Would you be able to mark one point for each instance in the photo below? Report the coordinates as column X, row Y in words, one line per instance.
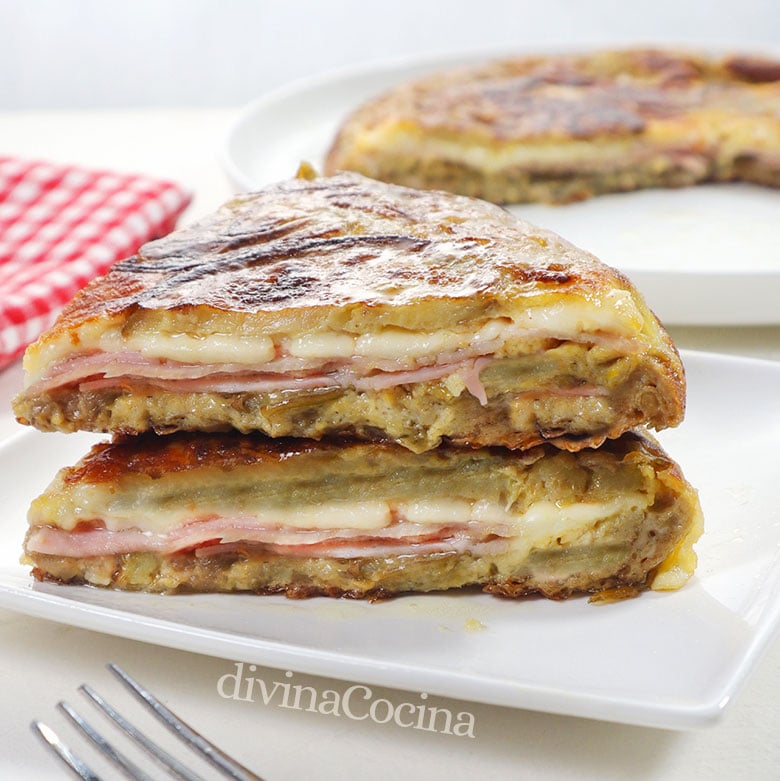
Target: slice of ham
column 239, row 383
column 468, row 370
column 128, row 374
column 222, row 535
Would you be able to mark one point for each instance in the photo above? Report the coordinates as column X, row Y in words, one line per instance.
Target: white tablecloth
column 42, row 662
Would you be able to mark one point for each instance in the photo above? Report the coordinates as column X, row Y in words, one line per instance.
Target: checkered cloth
column 60, row 226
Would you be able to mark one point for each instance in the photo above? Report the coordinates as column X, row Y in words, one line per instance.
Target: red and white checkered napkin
column 60, row 226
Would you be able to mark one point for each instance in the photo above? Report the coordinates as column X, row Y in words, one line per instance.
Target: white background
column 105, row 53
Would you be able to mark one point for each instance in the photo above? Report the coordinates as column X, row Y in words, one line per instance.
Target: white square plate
column 670, row 660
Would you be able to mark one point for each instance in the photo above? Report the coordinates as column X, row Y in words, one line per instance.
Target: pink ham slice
column 91, row 373
column 223, row 535
column 180, row 379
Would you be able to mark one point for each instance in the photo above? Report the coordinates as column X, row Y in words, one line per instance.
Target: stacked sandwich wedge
column 342, row 387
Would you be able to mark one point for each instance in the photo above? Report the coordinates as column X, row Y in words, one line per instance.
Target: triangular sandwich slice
column 342, row 306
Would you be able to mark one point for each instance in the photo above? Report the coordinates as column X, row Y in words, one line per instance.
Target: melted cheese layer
column 616, row 315
column 495, row 157
column 134, row 510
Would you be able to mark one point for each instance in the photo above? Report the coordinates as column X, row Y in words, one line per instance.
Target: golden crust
column 648, row 117
column 108, row 462
column 343, row 252
column 162, row 458
column 370, row 578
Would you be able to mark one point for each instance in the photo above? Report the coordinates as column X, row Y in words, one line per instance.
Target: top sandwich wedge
column 335, row 306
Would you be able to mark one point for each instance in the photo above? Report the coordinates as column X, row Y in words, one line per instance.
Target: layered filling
column 696, row 144
column 339, row 530
column 210, row 494
column 387, row 150
column 211, row 362
column 225, row 512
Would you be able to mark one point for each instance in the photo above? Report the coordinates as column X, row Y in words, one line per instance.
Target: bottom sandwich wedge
column 227, row 512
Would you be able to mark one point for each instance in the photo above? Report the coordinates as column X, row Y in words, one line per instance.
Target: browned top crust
column 351, row 253
column 156, row 457
column 149, row 454
column 572, row 96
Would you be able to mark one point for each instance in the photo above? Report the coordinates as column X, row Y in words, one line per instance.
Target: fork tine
column 53, row 742
column 130, row 769
column 219, row 759
column 170, row 762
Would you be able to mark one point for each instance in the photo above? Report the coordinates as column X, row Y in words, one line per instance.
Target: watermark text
column 356, row 702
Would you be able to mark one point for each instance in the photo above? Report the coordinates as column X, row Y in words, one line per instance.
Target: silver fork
column 227, row 766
